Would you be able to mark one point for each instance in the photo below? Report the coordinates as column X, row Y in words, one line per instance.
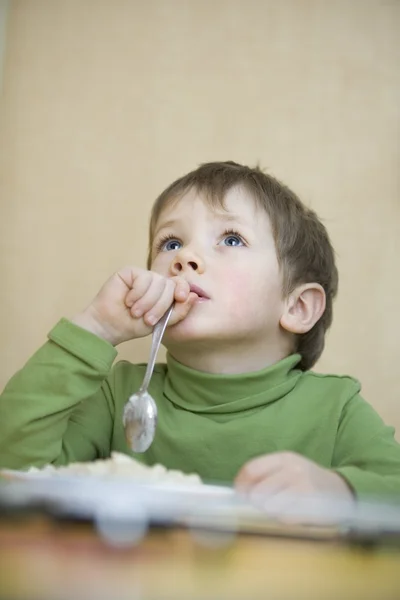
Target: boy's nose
column 186, row 261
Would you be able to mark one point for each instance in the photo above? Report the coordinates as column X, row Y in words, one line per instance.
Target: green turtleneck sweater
column 66, row 405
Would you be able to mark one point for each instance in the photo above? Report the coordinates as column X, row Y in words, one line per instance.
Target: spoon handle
column 158, row 332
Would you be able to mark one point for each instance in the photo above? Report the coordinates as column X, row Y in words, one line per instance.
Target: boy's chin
column 179, row 337
column 182, row 332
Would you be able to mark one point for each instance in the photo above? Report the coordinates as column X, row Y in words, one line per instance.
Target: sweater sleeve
column 366, row 453
column 59, row 407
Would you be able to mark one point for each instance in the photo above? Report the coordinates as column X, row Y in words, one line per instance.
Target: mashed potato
column 121, row 466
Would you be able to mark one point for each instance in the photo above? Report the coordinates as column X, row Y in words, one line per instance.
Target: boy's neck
column 227, row 360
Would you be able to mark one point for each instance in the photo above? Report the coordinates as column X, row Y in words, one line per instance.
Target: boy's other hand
column 274, row 482
column 132, row 301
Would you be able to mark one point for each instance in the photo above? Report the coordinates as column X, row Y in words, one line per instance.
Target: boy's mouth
column 201, row 293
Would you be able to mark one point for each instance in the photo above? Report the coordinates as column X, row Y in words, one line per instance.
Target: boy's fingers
column 280, row 505
column 151, row 297
column 179, row 288
column 258, row 469
column 264, row 492
column 129, row 275
column 141, row 284
column 159, row 308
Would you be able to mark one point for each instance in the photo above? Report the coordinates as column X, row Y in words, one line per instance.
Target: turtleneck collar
column 200, row 392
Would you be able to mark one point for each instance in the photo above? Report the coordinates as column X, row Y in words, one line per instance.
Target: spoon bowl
column 140, row 421
column 140, row 412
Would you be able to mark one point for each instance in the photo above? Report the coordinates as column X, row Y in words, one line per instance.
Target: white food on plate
column 120, row 465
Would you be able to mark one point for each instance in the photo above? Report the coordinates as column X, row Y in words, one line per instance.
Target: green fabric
column 66, row 405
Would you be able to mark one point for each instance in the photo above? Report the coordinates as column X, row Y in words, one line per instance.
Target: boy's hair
column 303, row 248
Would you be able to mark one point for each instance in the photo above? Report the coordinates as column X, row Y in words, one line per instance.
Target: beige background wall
column 3, row 28
column 104, row 103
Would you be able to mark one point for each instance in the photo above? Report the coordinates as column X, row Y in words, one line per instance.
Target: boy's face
column 230, row 256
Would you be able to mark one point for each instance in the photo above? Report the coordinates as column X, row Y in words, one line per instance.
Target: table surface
column 52, row 561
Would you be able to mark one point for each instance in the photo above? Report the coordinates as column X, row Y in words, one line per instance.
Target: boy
column 253, row 276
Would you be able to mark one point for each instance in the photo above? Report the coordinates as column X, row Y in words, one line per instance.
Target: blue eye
column 232, row 239
column 168, row 244
column 172, row 245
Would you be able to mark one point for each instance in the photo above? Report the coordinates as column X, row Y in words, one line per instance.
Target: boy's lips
column 197, row 290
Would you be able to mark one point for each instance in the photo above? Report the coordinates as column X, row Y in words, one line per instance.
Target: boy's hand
column 272, row 480
column 132, row 301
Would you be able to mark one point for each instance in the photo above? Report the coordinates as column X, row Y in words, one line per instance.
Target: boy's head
column 303, row 249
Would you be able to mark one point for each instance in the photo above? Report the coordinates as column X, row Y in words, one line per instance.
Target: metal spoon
column 140, row 412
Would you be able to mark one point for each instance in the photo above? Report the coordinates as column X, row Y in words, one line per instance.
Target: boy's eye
column 172, row 245
column 231, row 238
column 167, row 244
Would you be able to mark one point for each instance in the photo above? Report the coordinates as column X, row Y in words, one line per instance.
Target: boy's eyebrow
column 225, row 216
column 165, row 225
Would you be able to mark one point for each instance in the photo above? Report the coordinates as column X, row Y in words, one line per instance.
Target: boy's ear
column 304, row 307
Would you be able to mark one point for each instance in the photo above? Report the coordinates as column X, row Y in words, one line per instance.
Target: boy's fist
column 132, row 301
column 276, row 482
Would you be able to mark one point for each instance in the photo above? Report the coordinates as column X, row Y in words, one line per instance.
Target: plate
column 85, row 495
column 118, row 504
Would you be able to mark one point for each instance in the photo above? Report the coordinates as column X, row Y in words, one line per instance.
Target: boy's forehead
column 237, row 205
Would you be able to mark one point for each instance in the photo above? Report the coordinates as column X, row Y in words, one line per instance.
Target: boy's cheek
column 161, row 266
column 239, row 294
column 244, row 295
column 241, row 286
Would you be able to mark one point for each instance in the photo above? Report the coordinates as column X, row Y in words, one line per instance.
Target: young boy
column 252, row 273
